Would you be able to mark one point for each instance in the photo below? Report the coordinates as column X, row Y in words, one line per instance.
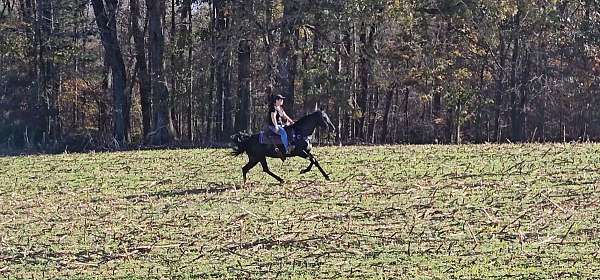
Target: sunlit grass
column 481, row 211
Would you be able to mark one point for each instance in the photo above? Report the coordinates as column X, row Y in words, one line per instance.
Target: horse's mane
column 303, row 126
column 305, row 118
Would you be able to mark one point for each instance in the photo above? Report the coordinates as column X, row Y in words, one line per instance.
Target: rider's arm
column 274, row 120
column 289, row 120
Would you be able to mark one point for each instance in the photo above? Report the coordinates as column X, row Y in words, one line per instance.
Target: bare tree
column 106, row 21
column 163, row 131
column 141, row 67
column 243, row 119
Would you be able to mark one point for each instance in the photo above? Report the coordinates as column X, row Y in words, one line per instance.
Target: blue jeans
column 283, row 135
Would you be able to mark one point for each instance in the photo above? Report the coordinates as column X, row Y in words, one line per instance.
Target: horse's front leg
column 314, row 161
column 305, row 155
column 307, row 168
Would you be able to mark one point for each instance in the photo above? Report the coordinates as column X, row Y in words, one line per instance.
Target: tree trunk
column 374, row 105
column 163, row 131
column 268, row 39
column 142, row 68
column 386, row 114
column 47, row 85
column 498, row 100
column 524, row 95
column 187, row 13
column 479, row 111
column 243, row 120
column 174, row 69
column 287, row 55
column 364, row 70
column 223, row 95
column 106, row 21
column 103, row 119
column 32, row 33
column 515, row 84
column 406, row 120
column 437, row 112
column 181, row 69
column 458, row 123
column 228, row 113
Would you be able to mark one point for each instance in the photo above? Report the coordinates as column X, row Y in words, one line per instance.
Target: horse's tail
column 240, row 143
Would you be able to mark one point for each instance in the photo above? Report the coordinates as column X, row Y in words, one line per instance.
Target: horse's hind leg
column 251, row 163
column 265, row 167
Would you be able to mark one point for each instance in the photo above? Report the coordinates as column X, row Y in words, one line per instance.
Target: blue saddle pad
column 267, row 136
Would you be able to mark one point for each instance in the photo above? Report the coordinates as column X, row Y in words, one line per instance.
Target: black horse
column 299, row 133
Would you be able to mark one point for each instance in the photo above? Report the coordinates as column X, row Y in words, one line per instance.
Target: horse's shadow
column 211, row 189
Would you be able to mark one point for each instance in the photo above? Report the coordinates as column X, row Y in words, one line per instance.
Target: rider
column 275, row 117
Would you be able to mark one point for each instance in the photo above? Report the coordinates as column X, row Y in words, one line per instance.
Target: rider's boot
column 279, row 153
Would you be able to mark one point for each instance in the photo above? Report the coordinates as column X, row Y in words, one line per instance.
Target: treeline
column 115, row 74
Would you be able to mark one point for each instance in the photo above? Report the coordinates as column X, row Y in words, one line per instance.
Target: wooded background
column 82, row 75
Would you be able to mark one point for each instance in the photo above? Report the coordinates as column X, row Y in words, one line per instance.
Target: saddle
column 268, row 137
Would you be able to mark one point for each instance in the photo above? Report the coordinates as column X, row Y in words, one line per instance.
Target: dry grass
column 484, row 211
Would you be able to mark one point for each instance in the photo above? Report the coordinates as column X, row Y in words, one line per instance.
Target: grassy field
column 425, row 212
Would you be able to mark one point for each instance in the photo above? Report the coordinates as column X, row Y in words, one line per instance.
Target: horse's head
column 306, row 125
column 324, row 120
